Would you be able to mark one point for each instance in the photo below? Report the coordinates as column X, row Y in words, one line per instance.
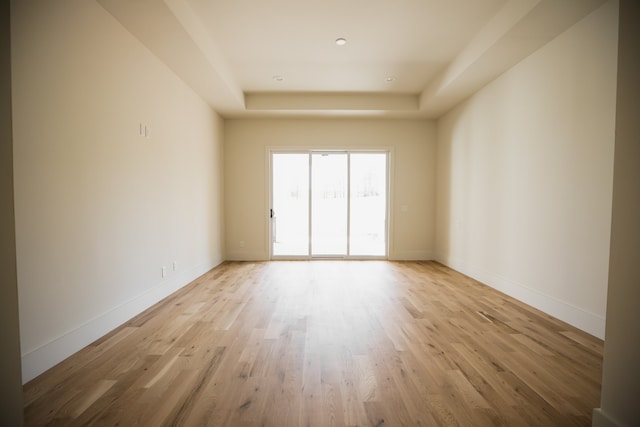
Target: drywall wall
column 100, row 208
column 10, row 378
column 621, row 373
column 525, row 170
column 412, row 145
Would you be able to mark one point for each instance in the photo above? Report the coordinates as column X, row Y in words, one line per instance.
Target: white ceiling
column 409, row 39
column 437, row 52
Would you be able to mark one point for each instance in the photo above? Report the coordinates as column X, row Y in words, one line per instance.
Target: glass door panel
column 368, row 204
column 329, row 178
column 329, row 204
column 290, row 201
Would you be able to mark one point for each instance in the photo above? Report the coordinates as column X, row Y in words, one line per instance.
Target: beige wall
column 525, row 176
column 246, row 177
column 99, row 208
column 10, row 379
column 621, row 371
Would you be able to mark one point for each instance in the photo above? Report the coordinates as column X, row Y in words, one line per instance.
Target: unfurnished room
column 320, row 213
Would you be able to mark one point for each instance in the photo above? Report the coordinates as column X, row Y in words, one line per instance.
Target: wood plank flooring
column 328, row 343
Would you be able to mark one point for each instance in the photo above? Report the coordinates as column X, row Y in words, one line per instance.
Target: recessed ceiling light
column 341, row 41
column 278, row 78
column 389, row 79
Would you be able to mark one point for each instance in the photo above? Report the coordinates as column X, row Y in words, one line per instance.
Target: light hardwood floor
column 321, row 343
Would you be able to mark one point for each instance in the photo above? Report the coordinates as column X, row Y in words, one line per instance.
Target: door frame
column 296, row 150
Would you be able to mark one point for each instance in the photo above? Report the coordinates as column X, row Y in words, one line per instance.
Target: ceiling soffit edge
column 172, row 31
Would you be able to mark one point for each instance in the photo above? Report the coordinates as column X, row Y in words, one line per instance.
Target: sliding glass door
column 290, row 204
column 329, row 175
column 329, row 204
column 368, row 202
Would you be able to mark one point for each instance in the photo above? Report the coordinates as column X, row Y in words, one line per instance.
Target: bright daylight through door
column 329, row 204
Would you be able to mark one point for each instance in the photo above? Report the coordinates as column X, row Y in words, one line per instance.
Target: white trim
column 39, row 360
column 411, row 256
column 247, row 256
column 600, row 419
column 591, row 323
column 349, row 203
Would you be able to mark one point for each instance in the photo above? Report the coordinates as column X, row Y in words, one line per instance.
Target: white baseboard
column 246, row 256
column 600, row 419
column 411, row 256
column 582, row 319
column 393, row 256
column 37, row 361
